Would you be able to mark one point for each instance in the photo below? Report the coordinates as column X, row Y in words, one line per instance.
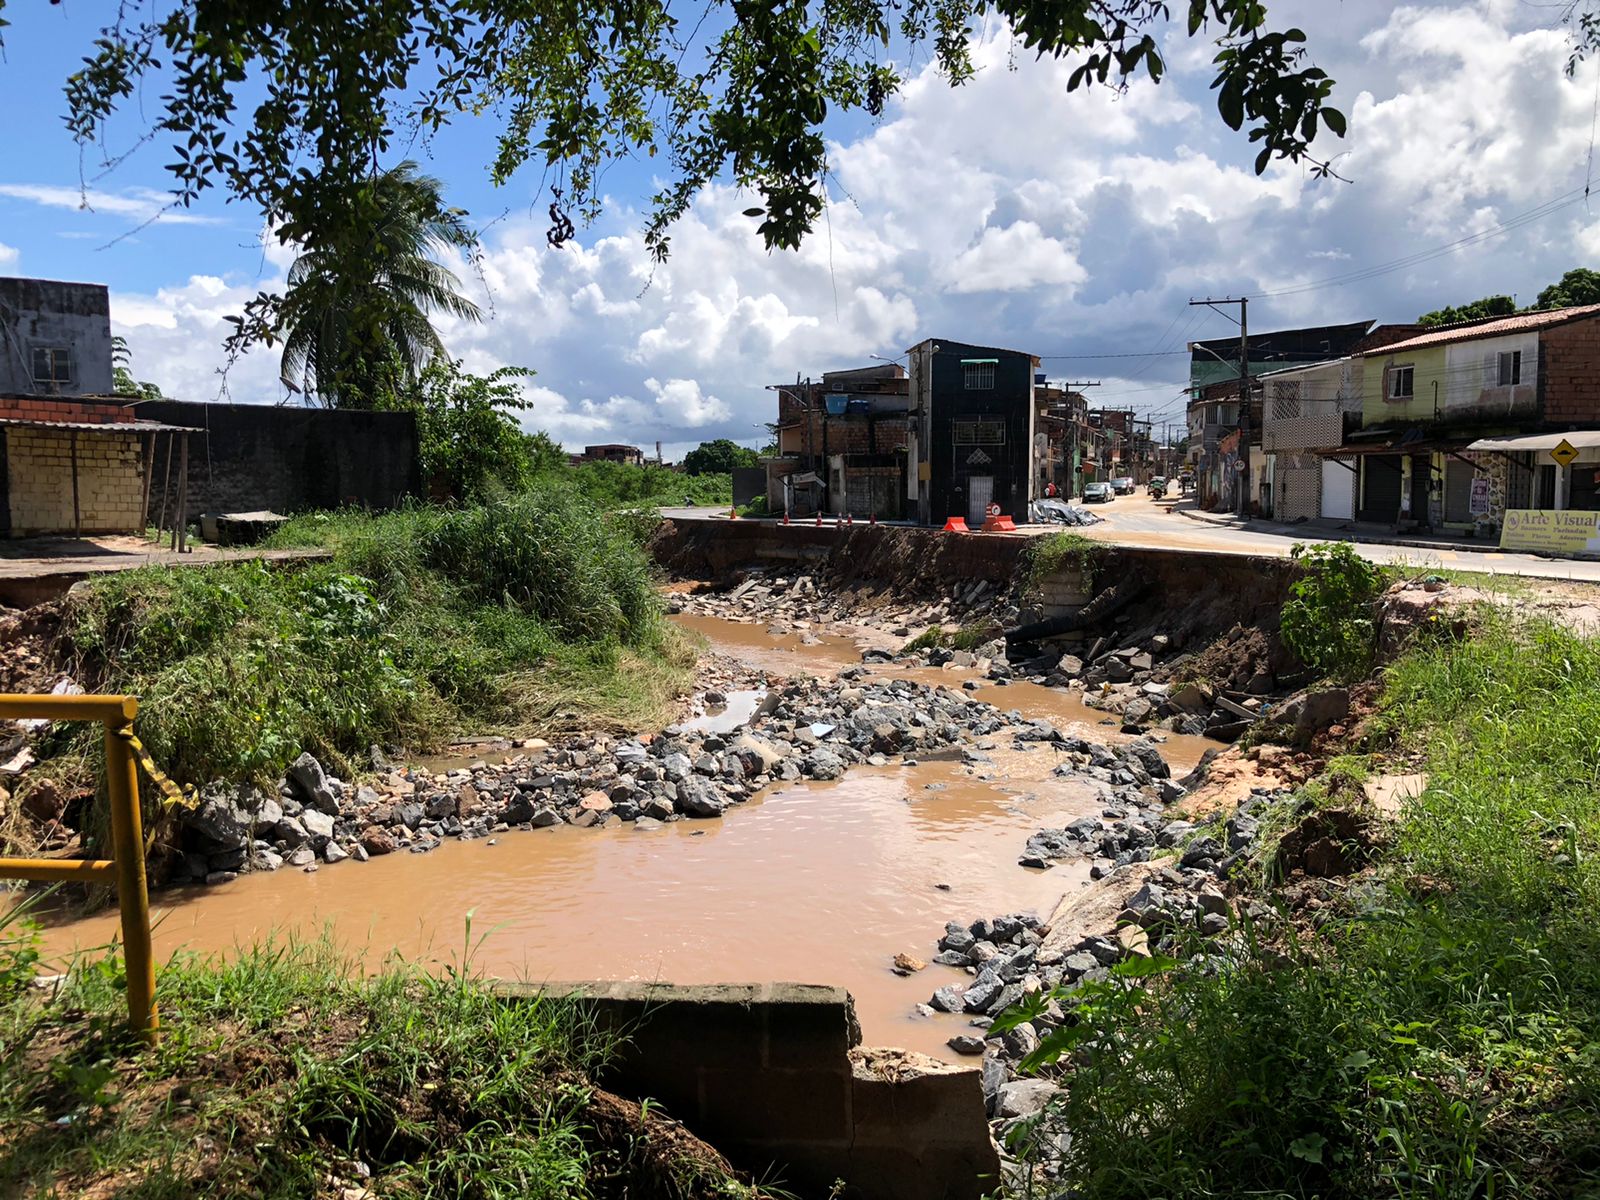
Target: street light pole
column 1244, row 392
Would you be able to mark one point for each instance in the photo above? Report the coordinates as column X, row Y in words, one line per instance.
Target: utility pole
column 1244, row 393
column 1073, row 482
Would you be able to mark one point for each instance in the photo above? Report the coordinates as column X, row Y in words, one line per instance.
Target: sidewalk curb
column 1337, row 535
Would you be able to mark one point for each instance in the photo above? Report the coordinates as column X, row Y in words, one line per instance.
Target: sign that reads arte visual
column 1551, row 532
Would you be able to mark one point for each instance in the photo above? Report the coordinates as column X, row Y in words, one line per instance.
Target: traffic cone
column 733, row 512
column 873, row 519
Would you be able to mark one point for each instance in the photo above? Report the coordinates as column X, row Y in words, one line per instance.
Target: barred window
column 979, row 376
column 979, row 433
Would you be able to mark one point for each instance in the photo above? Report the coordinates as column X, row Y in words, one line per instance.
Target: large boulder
column 310, row 784
column 1144, row 752
column 700, row 797
column 225, row 818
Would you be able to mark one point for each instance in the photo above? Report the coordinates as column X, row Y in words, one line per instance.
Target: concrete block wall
column 39, row 480
column 1064, row 592
column 771, row 1075
column 248, row 457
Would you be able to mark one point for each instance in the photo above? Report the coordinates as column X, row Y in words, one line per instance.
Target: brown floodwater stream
column 810, row 882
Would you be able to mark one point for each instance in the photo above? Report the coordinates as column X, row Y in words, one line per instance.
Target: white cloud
column 140, row 204
column 1009, row 212
column 681, row 402
column 9, row 256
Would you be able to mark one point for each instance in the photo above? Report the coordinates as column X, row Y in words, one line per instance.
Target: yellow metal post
column 116, row 713
column 133, row 897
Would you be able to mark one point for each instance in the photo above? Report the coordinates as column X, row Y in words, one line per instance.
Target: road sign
column 1564, row 453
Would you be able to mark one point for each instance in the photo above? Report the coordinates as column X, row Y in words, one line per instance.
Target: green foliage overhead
column 1477, row 310
column 719, row 457
column 290, row 107
column 1328, row 618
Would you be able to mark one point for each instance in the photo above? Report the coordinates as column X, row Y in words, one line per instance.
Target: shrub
column 1328, row 618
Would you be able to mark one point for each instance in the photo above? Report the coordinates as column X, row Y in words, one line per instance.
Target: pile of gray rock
column 1175, row 908
column 808, row 729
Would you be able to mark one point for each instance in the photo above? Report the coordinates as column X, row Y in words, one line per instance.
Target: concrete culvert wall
column 772, row 1075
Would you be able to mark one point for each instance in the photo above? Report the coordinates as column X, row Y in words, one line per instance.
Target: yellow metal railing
column 126, row 866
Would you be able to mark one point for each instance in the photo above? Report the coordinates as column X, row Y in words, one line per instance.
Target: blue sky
column 1006, row 212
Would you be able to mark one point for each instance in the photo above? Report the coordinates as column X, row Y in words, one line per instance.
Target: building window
column 979, row 375
column 52, row 365
column 1510, row 367
column 1402, row 383
column 978, row 433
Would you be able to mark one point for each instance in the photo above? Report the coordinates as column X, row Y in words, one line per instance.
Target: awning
column 1580, row 439
column 101, row 426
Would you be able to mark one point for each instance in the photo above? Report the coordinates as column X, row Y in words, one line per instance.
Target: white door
column 1338, row 490
column 980, row 490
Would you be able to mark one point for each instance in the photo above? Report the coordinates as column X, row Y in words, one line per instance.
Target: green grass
column 279, row 1070
column 606, row 486
column 1056, row 551
column 531, row 614
column 1440, row 1036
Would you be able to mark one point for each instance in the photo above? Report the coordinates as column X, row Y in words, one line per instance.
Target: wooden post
column 166, row 483
column 181, row 533
column 77, row 516
column 149, row 472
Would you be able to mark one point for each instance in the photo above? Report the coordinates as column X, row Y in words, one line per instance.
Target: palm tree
column 355, row 318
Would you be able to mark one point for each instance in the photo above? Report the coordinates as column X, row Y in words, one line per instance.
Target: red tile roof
column 1526, row 322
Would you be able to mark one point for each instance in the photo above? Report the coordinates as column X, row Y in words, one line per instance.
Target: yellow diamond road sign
column 1564, row 453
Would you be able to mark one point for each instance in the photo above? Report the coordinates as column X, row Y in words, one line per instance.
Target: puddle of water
column 740, row 706
column 781, row 653
column 816, row 883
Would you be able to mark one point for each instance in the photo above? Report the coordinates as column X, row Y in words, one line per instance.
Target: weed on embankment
column 1437, row 1033
column 529, row 614
column 283, row 1073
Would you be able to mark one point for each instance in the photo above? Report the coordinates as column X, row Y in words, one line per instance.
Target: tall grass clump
column 520, row 615
column 280, row 1069
column 1440, row 1035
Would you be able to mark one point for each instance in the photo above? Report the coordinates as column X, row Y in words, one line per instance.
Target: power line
column 1548, row 208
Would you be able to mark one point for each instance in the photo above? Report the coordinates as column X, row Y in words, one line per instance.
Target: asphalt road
column 1139, row 521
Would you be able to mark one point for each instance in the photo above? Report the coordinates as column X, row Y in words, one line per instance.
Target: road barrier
column 126, row 866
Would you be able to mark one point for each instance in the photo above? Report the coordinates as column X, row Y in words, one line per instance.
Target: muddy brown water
column 812, row 882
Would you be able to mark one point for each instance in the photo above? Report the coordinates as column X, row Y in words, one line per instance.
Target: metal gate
column 980, row 490
column 1458, row 491
column 1380, row 493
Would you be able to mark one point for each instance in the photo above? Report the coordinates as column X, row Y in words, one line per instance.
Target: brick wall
column 1570, row 371
column 42, row 408
column 39, row 481
column 850, row 433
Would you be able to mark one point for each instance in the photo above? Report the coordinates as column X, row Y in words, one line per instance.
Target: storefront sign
column 1478, row 506
column 1550, row 532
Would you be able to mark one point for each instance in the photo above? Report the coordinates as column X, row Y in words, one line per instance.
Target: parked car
column 1123, row 485
column 1097, row 493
